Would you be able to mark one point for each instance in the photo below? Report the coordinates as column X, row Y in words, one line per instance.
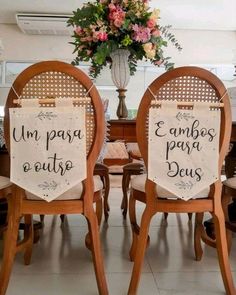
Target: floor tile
column 190, row 283
column 61, row 264
column 52, row 284
column 119, row 284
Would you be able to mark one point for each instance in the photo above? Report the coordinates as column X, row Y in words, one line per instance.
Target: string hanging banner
column 48, row 149
column 183, row 148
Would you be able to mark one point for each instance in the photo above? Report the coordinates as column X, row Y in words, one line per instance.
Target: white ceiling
column 181, row 14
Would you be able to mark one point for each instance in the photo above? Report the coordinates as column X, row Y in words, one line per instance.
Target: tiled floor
column 62, row 265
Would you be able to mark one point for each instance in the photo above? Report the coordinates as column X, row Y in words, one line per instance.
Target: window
column 13, row 69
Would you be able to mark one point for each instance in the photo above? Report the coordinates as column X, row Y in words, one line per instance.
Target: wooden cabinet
column 126, row 130
column 123, row 130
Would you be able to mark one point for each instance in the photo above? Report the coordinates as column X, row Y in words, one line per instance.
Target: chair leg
column 106, row 194
column 165, row 215
column 62, row 217
column 99, row 208
column 97, row 254
column 29, row 238
column 190, row 215
column 198, row 235
column 140, row 252
column 222, row 250
column 42, row 218
column 225, row 203
column 10, row 245
column 88, row 242
column 134, row 226
column 125, row 187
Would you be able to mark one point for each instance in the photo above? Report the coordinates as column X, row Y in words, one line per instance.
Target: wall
column 204, row 47
column 199, row 47
column 19, row 46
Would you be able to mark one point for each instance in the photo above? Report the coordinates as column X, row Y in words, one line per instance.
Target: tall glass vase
column 120, row 75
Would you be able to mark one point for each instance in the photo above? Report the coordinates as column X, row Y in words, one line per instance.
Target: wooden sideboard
column 126, row 130
column 123, row 130
column 4, row 163
column 119, row 130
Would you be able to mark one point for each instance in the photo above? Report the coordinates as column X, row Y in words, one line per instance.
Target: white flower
column 150, row 50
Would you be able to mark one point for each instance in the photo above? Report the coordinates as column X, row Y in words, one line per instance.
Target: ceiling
column 181, row 14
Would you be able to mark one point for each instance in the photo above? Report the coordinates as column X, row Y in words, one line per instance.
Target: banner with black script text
column 183, row 148
column 48, row 149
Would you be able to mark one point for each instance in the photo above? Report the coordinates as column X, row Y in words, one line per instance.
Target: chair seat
column 230, row 182
column 4, row 182
column 138, row 183
column 116, row 150
column 73, row 193
column 116, row 169
column 116, row 156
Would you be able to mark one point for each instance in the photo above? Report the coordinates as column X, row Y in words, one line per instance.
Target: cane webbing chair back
column 50, row 80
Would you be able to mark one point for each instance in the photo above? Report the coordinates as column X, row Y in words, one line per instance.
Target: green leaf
column 126, row 24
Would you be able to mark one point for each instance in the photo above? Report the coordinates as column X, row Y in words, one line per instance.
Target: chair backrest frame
column 88, row 88
column 156, row 87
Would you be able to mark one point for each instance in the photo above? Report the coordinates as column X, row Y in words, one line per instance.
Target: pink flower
column 118, row 22
column 156, row 33
column 141, row 34
column 116, row 15
column 151, row 23
column 99, row 36
column 102, row 36
column 95, row 37
column 86, row 39
column 112, row 7
column 78, row 30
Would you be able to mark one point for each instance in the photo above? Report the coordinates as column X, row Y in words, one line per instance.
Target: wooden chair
column 116, row 156
column 4, row 186
column 182, row 84
column 229, row 196
column 129, row 170
column 49, row 80
column 103, row 171
column 5, row 189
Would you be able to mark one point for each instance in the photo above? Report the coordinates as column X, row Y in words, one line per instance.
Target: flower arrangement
column 103, row 26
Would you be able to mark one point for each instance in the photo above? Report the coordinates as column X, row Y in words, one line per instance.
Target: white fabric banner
column 48, row 149
column 183, row 148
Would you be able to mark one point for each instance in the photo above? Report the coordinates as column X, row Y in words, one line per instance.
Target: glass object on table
column 120, row 74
